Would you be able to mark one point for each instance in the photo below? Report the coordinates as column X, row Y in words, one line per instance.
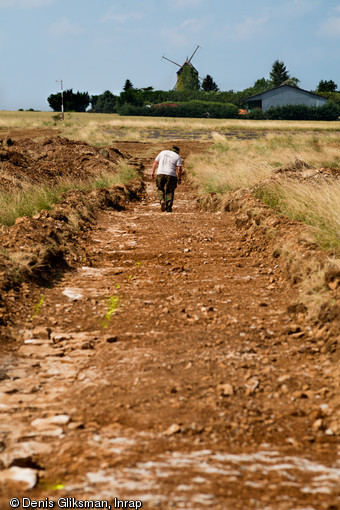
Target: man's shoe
column 162, row 206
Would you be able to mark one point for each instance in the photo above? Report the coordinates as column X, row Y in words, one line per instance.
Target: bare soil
column 27, row 161
column 163, row 366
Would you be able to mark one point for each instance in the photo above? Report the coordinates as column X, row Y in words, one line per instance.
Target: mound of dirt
column 28, row 161
column 302, row 171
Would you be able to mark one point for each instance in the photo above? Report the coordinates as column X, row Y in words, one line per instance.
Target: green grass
column 34, row 198
column 38, row 306
column 112, row 306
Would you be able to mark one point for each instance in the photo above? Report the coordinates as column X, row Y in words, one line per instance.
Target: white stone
column 26, row 478
column 42, row 423
column 173, row 429
column 24, row 451
column 226, row 389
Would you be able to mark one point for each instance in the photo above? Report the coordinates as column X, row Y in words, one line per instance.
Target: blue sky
column 95, row 46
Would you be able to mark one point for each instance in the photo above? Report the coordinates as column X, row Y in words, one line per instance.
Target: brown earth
column 164, row 366
column 25, row 161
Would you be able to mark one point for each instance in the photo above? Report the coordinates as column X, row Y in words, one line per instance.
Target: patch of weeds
column 38, row 306
column 270, row 195
column 113, row 304
column 51, row 486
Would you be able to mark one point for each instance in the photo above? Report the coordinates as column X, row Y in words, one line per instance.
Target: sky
column 93, row 46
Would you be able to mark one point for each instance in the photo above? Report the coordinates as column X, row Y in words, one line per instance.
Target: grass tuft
column 31, row 199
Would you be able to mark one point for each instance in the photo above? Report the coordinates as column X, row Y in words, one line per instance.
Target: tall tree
column 279, row 73
column 327, row 86
column 208, row 84
column 127, row 85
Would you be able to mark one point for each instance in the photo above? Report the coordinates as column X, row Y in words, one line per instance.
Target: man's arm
column 154, row 168
column 179, row 174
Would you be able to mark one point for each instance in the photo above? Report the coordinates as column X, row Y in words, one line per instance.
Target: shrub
column 328, row 111
column 256, row 114
column 195, row 108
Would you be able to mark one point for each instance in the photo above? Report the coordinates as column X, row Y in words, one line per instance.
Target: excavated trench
column 167, row 370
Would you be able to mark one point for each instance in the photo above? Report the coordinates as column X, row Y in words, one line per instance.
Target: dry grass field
column 295, row 173
column 100, row 129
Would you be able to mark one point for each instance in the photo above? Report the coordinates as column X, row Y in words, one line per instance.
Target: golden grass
column 233, row 164
column 316, row 204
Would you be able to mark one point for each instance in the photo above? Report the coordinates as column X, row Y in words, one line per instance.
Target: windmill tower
column 187, row 75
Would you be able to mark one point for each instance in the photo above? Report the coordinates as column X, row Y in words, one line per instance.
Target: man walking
column 169, row 172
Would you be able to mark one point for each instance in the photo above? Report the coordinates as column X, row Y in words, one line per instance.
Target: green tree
column 147, row 89
column 73, row 101
column 279, row 73
column 127, row 85
column 208, row 84
column 132, row 97
column 293, row 82
column 327, row 86
column 261, row 85
column 104, row 103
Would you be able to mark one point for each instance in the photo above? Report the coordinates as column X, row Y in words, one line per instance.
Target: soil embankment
column 166, row 369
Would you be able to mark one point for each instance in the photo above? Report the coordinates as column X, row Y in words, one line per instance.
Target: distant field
column 100, row 129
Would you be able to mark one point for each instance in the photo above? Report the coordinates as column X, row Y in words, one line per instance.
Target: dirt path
column 170, row 373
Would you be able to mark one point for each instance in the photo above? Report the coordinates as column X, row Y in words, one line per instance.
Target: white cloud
column 65, row 27
column 187, row 23
column 122, row 17
column 28, row 4
column 249, row 27
column 330, row 29
column 181, row 36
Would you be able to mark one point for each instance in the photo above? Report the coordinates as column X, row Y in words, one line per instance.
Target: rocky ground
column 166, row 369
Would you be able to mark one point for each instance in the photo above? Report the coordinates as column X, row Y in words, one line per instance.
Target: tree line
column 189, row 102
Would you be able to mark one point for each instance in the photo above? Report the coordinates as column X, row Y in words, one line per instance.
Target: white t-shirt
column 168, row 161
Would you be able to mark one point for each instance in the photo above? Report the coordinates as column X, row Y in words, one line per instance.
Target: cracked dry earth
column 167, row 372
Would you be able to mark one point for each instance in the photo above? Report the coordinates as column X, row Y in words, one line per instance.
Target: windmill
column 187, row 75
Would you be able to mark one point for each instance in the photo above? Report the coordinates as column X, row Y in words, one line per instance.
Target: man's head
column 175, row 149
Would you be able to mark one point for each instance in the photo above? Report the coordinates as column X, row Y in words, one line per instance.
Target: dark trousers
column 166, row 185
